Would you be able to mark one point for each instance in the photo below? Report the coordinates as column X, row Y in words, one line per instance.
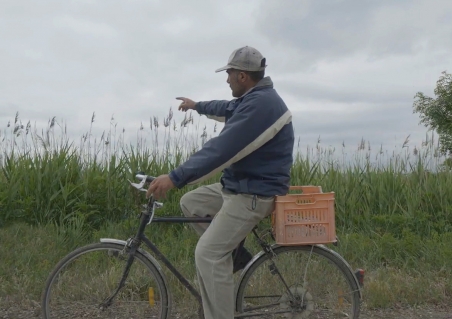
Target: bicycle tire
column 93, row 273
column 328, row 289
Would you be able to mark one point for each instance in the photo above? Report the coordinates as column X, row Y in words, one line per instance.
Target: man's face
column 236, row 81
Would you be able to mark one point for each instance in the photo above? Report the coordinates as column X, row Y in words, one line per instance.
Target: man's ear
column 242, row 77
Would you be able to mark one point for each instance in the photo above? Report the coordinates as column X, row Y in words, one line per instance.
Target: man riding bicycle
column 254, row 152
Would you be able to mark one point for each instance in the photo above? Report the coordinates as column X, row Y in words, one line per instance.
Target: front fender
column 151, row 258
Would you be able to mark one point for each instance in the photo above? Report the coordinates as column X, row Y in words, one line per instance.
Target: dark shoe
column 241, row 260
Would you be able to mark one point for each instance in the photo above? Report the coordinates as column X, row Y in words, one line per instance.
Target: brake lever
column 140, row 185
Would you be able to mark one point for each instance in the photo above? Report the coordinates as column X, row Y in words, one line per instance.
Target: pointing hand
column 186, row 104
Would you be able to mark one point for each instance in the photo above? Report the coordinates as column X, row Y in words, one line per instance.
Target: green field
column 393, row 211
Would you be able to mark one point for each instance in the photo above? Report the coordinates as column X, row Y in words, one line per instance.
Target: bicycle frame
column 135, row 242
column 162, row 257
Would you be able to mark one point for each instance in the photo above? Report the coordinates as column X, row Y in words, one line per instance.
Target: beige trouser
column 235, row 215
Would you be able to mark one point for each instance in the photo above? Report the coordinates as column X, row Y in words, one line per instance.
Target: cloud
column 85, row 27
column 319, row 30
column 346, row 69
column 350, row 68
column 349, row 126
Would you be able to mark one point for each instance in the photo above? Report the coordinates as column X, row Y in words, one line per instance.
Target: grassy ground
column 394, row 275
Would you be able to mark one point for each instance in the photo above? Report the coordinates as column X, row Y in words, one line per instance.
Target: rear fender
column 323, row 247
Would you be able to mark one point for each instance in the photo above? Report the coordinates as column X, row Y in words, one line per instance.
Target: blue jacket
column 254, row 149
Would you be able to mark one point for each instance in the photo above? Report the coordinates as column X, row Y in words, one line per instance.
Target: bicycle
column 118, row 279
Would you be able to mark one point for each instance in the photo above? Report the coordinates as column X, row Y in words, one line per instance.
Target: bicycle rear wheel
column 85, row 278
column 314, row 283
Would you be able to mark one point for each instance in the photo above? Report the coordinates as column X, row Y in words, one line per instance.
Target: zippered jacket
column 254, row 149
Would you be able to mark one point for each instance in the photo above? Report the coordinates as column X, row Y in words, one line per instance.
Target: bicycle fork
column 132, row 246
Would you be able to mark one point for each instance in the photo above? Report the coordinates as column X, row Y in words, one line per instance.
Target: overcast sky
column 346, row 69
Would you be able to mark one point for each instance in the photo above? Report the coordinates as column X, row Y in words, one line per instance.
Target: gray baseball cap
column 245, row 59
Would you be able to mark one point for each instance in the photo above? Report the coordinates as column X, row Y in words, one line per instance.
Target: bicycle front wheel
column 299, row 282
column 81, row 283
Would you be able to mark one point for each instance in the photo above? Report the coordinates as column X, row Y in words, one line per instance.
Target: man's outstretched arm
column 213, row 109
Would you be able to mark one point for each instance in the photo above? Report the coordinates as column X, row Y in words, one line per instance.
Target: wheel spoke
column 84, row 284
column 320, row 286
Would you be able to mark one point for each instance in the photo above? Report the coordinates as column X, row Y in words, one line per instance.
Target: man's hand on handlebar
column 160, row 186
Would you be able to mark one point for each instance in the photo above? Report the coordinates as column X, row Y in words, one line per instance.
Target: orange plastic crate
column 304, row 219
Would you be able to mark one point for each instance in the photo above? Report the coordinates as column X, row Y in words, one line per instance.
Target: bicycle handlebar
column 149, row 179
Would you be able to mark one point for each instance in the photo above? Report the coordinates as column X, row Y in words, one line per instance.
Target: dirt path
column 31, row 310
column 409, row 313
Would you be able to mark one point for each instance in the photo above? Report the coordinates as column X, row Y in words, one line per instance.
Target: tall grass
column 47, row 177
column 395, row 193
